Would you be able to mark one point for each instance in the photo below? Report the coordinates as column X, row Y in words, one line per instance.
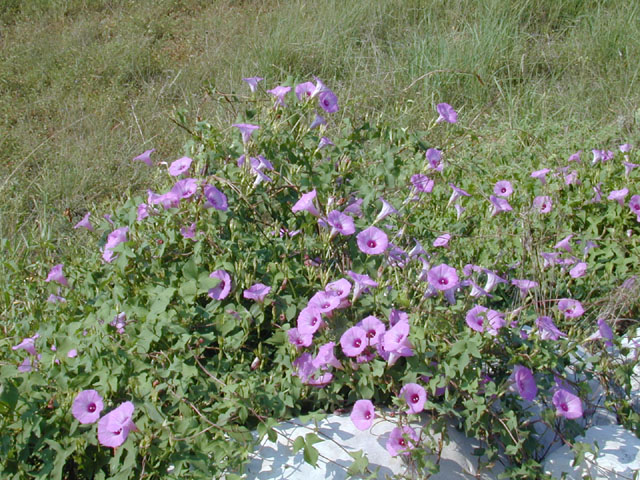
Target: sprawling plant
column 291, row 263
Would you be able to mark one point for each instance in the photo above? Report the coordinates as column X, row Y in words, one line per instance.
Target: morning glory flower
column 340, row 223
column 324, row 301
column 628, row 168
column 564, row 244
column 185, row 188
column 524, row 286
column 256, row 292
column 625, row 148
column 114, row 239
column 395, row 342
column 475, row 318
column 362, row 283
column 598, row 156
column 415, row 396
column 579, row 270
column 503, row 188
column 306, row 203
column 543, row 204
column 567, row 404
column 84, row 223
column 459, row 210
column 145, row 157
column 56, row 275
column 386, row 210
column 634, row 205
column 317, row 121
column 605, row 332
column 220, row 291
column 354, row 341
column 434, row 157
column 398, row 444
column 457, row 193
column 422, row 183
column 119, row 322
column 363, row 414
column 442, row 240
column 372, row 241
column 495, row 322
column 525, row 382
column 446, row 113
column 309, row 320
column 246, row 130
column 299, row 339
column 340, row 288
column 189, row 232
column 328, row 101
column 541, row 175
column 571, row 178
column 56, row 299
column 443, row 277
column 575, row 157
column 618, row 195
column 304, row 90
column 115, row 426
column 279, row 92
column 492, row 279
column 570, row 308
column 253, row 82
column 180, row 166
column 324, row 142
column 325, row 357
column 355, row 207
column 499, row 205
column 87, row 406
column 373, row 327
column 167, row 200
column 547, row 329
column 215, row 198
column 143, row 211
column 28, row 344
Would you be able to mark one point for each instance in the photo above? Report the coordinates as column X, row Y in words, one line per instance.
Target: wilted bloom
column 180, row 166
column 547, row 329
column 457, row 193
column 402, row 440
column 434, row 157
column 373, row 327
column 279, row 92
column 256, row 292
column 541, row 175
column 446, row 113
column 459, row 210
column 525, row 382
column 56, row 299
column 189, row 232
column 543, row 204
column 396, row 316
column 354, row 341
column 304, row 90
column 355, row 207
column 495, row 321
column 246, row 129
column 422, row 183
column 298, row 338
column 524, row 286
column 499, row 205
column 443, row 277
column 220, row 291
column 317, row 121
column 85, row 223
column 567, row 404
column 571, row 178
column 114, row 239
column 605, row 331
column 328, row 101
column 304, row 368
column 415, row 396
column 503, row 188
column 618, row 195
column 306, row 203
column 215, row 198
column 28, row 344
column 442, row 240
column 549, row 258
column 363, row 414
column 575, row 157
column 564, row 244
column 26, row 365
column 253, row 82
column 119, row 322
column 114, row 427
column 386, row 210
column 87, row 406
column 145, row 157
column 362, row 282
column 168, row 200
column 570, row 308
column 492, row 279
column 579, row 270
column 56, row 275
column 372, row 241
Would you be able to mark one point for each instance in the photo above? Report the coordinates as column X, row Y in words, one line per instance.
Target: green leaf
column 298, row 444
column 311, row 455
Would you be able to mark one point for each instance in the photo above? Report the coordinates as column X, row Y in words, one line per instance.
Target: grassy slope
column 85, row 85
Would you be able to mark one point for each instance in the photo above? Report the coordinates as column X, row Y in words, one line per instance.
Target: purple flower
column 324, row 142
column 317, row 121
column 256, row 292
column 456, row 194
column 547, row 329
column 304, row 90
column 340, row 288
column 492, row 279
column 28, row 344
column 114, row 239
column 495, row 322
column 524, row 286
column 564, row 244
column 145, row 157
column 85, row 223
column 328, row 101
column 326, row 357
column 618, row 195
column 543, row 204
column 56, row 299
column 73, row 353
column 340, row 223
column 309, row 320
column 299, row 339
column 571, row 178
column 570, row 308
column 26, row 365
column 372, row 241
column 215, row 198
column 503, row 188
column 87, row 406
column 185, row 188
column 119, row 322
column 374, row 329
column 402, row 440
column 575, row 157
column 628, row 168
column 279, row 92
column 443, row 277
column 56, row 275
column 354, row 341
column 363, row 414
column 220, row 291
column 143, row 211
column 386, row 210
column 442, row 240
column 324, row 301
column 475, row 318
column 541, row 175
column 499, row 205
column 253, row 82
column 395, row 343
column 415, row 396
column 355, row 207
column 422, row 183
column 168, row 200
column 246, row 129
column 579, row 270
column 446, row 113
column 396, row 316
column 634, row 205
column 114, row 427
column 567, row 404
column 434, row 157
column 525, row 382
column 362, row 283
column 180, row 166
column 624, row 148
column 306, row 203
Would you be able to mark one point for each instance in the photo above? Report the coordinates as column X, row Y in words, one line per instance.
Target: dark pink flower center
column 443, row 281
column 314, row 320
column 326, row 305
column 371, row 244
column 564, row 407
column 357, row 343
column 91, row 408
column 371, row 333
column 367, row 415
column 415, row 398
column 402, row 442
column 118, row 432
column 503, row 190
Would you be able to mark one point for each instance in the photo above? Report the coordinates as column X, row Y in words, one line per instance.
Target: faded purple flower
column 85, row 223
column 402, row 441
column 624, row 148
column 456, row 194
column 326, row 357
column 180, row 166
column 386, row 210
column 145, row 157
column 306, row 203
column 115, row 426
column 279, row 92
column 525, row 382
column 524, row 286
column 571, row 178
column 253, row 82
column 628, row 168
column 442, row 240
column 446, row 113
column 185, row 188
column 87, row 406
column 567, row 404
column 618, row 195
column 570, row 308
column 543, row 204
column 246, row 130
column 575, row 157
column 215, row 198
column 422, row 183
column 114, row 239
column 143, row 211
column 415, row 396
column 541, row 175
column 434, row 157
column 363, row 414
column 547, row 329
column 56, row 275
column 256, row 292
column 220, row 291
column 578, row 270
column 372, row 241
column 564, row 244
column 56, row 299
column 304, row 90
column 499, row 205
column 324, row 142
column 362, row 282
column 503, row 188
column 28, row 344
column 317, row 121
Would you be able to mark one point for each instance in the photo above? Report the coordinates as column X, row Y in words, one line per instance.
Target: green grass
column 556, row 75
